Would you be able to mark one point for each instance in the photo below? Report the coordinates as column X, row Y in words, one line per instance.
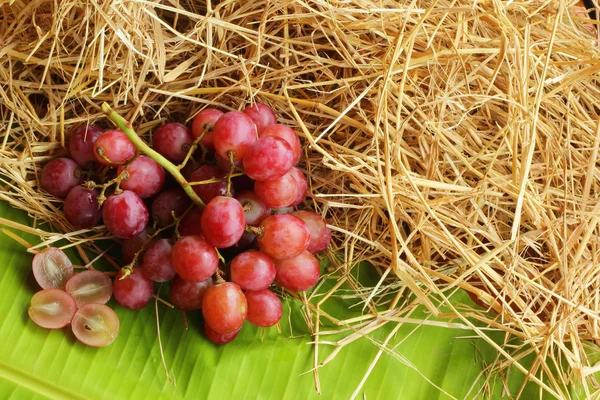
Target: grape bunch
column 213, row 210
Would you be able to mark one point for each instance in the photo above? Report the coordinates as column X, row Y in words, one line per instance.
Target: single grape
column 125, row 215
column 320, row 234
column 209, row 191
column 167, row 201
column 233, row 132
column 52, row 268
column 219, row 338
column 190, row 167
column 301, row 185
column 277, row 193
column 299, row 273
column 89, row 286
column 204, row 124
column 254, row 208
column 113, row 147
column 252, row 270
column 270, row 157
column 81, row 208
column 61, row 175
column 188, row 295
column 264, row 308
column 173, row 140
column 194, row 259
column 225, row 165
column 223, row 221
column 81, row 145
column 52, row 308
column 224, row 307
column 287, row 133
column 284, row 236
column 95, row 325
column 133, row 245
column 157, row 263
column 144, row 177
column 190, row 224
column 133, row 291
column 262, row 115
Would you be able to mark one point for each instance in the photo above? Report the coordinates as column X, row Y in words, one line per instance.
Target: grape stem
column 219, row 276
column 116, row 181
column 232, row 168
column 257, row 230
column 126, row 127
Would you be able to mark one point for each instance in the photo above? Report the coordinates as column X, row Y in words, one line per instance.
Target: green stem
column 126, row 127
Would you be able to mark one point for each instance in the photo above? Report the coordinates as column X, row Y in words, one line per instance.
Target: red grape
column 133, row 245
column 284, row 236
column 113, row 147
column 252, row 270
column 52, row 268
column 169, row 200
column 144, row 177
column 133, row 291
column 320, row 234
column 268, row 158
column 81, row 144
column 224, row 307
column 287, row 133
column 254, row 208
column 219, row 338
column 61, row 175
column 203, row 125
column 264, row 308
column 299, row 273
column 209, row 191
column 302, row 185
column 223, row 221
column 89, row 286
column 234, row 132
column 190, row 224
column 225, row 165
column 157, row 263
column 262, row 115
column 95, row 325
column 188, row 295
column 277, row 193
column 81, row 207
column 173, row 140
column 125, row 215
column 194, row 259
column 52, row 308
column 190, row 166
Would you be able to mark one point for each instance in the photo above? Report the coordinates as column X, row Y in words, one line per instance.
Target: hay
column 452, row 144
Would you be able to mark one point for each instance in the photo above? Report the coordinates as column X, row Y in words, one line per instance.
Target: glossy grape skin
column 219, row 338
column 188, row 296
column 144, row 177
column 157, row 263
column 277, row 193
column 320, row 234
column 81, row 145
column 125, row 215
column 299, row 273
column 169, row 200
column 209, row 191
column 52, row 268
column 61, row 175
column 223, row 221
column 224, row 307
column 284, row 236
column 287, row 133
column 194, row 259
column 264, row 308
column 81, row 208
column 252, row 270
column 234, row 132
column 95, row 325
column 89, row 286
column 270, row 157
column 204, row 124
column 133, row 245
column 134, row 291
column 262, row 115
column 173, row 140
column 115, row 146
column 255, row 210
column 301, row 186
column 52, row 308
column 190, row 224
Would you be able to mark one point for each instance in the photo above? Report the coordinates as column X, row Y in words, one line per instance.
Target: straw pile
column 453, row 144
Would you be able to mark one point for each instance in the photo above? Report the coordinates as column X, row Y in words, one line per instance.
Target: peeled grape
column 81, row 144
column 169, row 200
column 209, row 191
column 157, row 263
column 95, row 325
column 252, row 270
column 299, row 273
column 320, row 234
column 188, row 295
column 262, row 115
column 219, row 338
column 223, row 221
column 89, row 286
column 133, row 245
column 194, row 259
column 61, row 175
column 125, row 215
column 133, row 291
column 270, row 157
column 52, row 268
column 204, row 124
column 264, row 308
column 287, row 133
column 224, row 307
column 301, row 185
column 113, row 147
column 190, row 224
column 284, row 236
column 52, row 308
column 173, row 141
column 277, row 193
column 81, row 207
column 233, row 132
column 144, row 177
column 254, row 208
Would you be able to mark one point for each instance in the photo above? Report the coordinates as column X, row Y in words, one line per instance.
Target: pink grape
column 299, row 273
column 133, row 245
column 188, row 296
column 52, row 268
column 89, row 286
column 125, row 215
column 252, row 270
column 301, row 185
column 264, row 308
column 277, row 193
column 190, row 224
column 254, row 208
column 173, row 140
column 133, row 291
column 233, row 132
column 95, row 325
column 270, row 157
column 144, row 177
column 204, row 124
column 219, row 338
column 61, row 175
column 52, row 308
column 262, row 115
column 194, row 259
column 223, row 221
column 287, row 133
column 224, row 307
column 320, row 234
column 209, row 191
column 81, row 144
column 113, row 147
column 156, row 264
column 81, row 207
column 284, row 236
column 169, row 200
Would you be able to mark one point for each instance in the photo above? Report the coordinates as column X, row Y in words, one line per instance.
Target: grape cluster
column 221, row 258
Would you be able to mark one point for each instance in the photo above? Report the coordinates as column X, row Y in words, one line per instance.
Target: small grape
column 133, row 245
column 125, row 215
column 224, row 307
column 81, row 208
column 301, row 185
column 61, row 175
column 204, row 124
column 223, row 221
column 254, row 208
column 190, row 224
column 89, row 286
column 264, row 308
column 133, row 291
column 173, row 140
column 95, row 325
column 284, row 236
column 262, row 115
column 270, row 157
column 52, row 308
column 233, row 132
column 219, row 338
column 113, row 147
column 81, row 144
column 157, row 263
column 52, row 268
column 188, row 295
column 284, row 132
column 144, row 177
column 277, row 193
column 169, row 200
column 194, row 259
column 320, row 234
column 299, row 273
column 252, row 270
column 209, row 191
